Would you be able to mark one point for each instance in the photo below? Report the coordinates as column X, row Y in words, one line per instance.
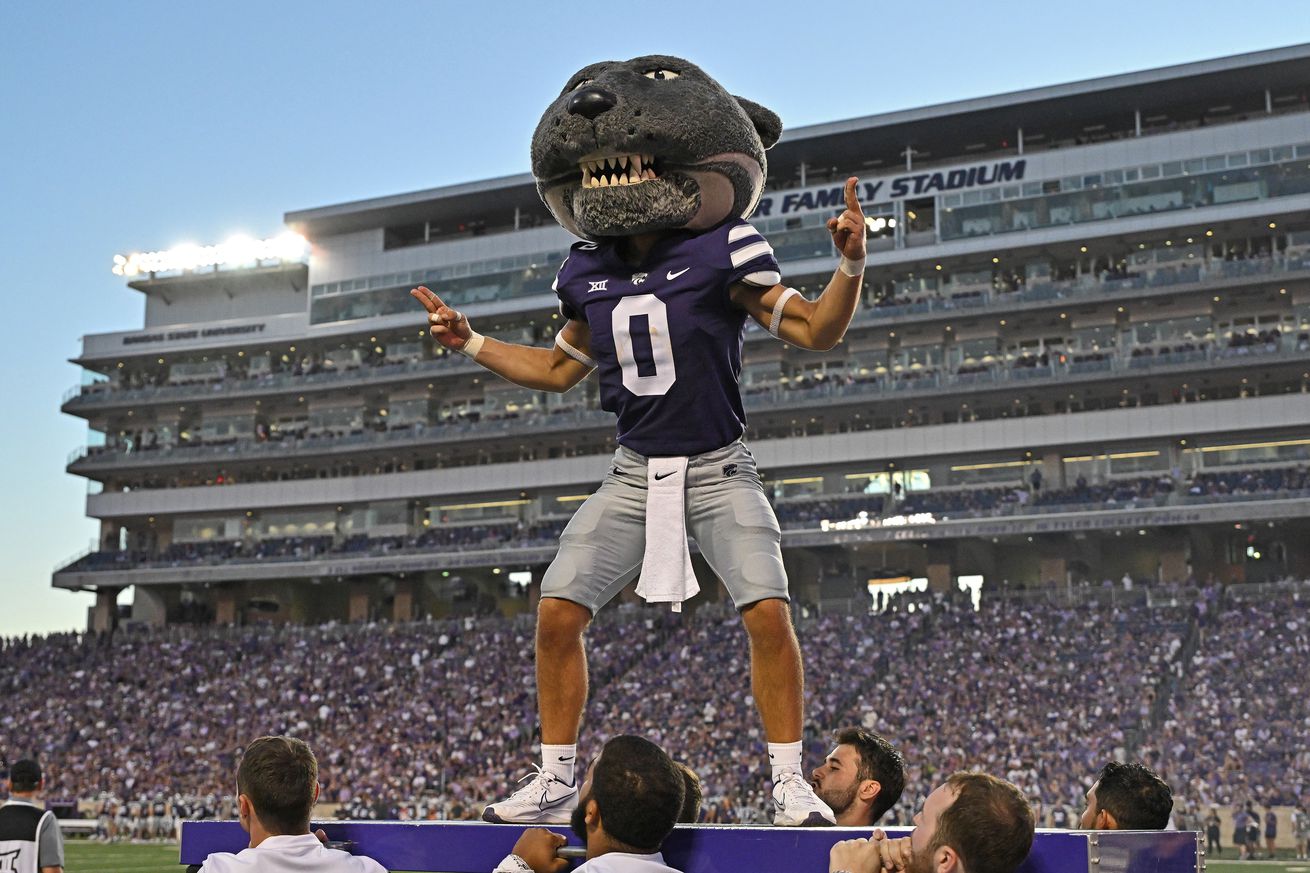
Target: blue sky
column 138, row 125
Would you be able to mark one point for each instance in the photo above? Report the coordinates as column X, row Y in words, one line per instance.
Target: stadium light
column 239, row 251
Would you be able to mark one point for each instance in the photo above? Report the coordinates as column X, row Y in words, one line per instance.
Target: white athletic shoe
column 545, row 799
column 796, row 805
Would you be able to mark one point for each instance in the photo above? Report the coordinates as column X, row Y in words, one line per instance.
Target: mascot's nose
column 590, row 102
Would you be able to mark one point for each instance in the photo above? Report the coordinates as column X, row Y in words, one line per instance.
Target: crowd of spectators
column 1059, row 280
column 305, row 548
column 1235, row 732
column 1239, row 482
column 430, row 719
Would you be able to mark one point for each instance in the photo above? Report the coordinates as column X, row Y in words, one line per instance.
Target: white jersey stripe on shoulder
column 764, row 278
column 751, row 252
column 554, row 285
column 742, row 231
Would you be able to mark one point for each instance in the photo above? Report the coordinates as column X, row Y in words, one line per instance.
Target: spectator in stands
column 29, row 833
column 693, row 794
column 628, row 804
column 974, row 823
column 1060, row 816
column 862, row 778
column 1127, row 797
column 277, row 784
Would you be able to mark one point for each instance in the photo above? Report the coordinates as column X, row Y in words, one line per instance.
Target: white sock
column 559, row 761
column 785, row 758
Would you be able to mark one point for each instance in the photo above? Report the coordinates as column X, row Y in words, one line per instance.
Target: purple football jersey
column 665, row 335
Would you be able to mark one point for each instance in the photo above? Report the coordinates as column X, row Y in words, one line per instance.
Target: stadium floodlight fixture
column 238, row 252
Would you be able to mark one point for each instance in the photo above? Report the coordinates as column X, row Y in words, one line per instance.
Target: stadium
column 1071, row 416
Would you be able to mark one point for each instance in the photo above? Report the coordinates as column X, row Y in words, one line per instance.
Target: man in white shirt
column 277, row 786
column 627, row 806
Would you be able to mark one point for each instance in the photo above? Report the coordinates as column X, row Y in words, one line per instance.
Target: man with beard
column 629, row 803
column 861, row 778
column 974, row 823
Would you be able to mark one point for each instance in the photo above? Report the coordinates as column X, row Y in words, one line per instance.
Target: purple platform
column 476, row 847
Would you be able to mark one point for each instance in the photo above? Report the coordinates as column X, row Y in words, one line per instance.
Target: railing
column 1073, row 291
column 101, row 392
column 1015, row 509
column 385, row 548
column 249, row 449
column 770, row 398
column 1078, row 290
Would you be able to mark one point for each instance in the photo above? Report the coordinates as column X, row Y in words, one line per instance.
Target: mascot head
column 649, row 144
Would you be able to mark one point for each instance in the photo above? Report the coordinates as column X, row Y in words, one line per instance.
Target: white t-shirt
column 622, row 862
column 610, row 862
column 292, row 854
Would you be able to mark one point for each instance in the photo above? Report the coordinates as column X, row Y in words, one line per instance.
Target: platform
column 476, row 847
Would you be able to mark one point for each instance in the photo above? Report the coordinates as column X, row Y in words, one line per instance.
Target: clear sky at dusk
column 139, row 125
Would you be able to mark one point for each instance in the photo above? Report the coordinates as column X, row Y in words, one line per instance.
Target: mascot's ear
column 767, row 123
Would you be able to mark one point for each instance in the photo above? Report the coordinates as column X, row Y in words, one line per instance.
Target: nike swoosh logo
column 569, row 758
column 659, row 476
column 670, row 275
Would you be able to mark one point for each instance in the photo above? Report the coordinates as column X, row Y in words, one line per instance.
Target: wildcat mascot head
column 649, row 144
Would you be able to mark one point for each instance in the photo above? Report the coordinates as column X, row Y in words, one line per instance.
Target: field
column 87, row 857
column 83, row 856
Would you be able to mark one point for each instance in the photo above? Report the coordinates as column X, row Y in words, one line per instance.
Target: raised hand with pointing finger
column 848, row 228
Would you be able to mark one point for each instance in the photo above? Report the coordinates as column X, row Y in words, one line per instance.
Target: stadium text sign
column 193, row 333
column 892, row 188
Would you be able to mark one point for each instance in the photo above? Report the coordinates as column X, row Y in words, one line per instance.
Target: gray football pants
column 727, row 514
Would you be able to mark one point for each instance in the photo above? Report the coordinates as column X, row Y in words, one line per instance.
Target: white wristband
column 851, row 268
column 473, row 345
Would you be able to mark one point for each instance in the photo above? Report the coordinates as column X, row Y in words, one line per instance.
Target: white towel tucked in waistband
column 666, row 574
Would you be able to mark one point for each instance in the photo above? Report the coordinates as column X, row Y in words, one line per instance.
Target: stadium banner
column 887, row 189
column 476, row 847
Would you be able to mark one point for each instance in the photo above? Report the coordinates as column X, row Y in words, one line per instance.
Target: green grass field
column 80, row 855
column 83, row 856
column 87, row 857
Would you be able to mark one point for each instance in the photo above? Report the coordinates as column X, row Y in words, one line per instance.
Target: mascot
column 656, row 167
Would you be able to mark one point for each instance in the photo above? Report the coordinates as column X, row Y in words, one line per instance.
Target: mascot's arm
column 552, row 369
column 815, row 324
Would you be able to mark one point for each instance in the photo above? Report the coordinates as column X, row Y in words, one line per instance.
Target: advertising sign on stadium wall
column 887, row 189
